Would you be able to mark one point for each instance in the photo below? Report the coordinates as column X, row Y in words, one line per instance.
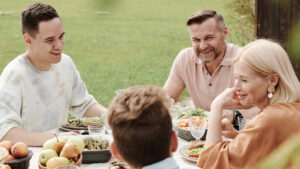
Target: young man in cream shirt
column 40, row 87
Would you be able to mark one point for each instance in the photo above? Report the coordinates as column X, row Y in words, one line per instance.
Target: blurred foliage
column 294, row 42
column 293, row 48
column 243, row 12
column 286, row 156
column 107, row 4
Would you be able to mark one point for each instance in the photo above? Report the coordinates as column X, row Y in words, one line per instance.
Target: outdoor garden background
column 116, row 44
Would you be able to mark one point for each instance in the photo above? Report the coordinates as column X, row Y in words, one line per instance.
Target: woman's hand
column 227, row 100
column 228, row 130
column 228, row 114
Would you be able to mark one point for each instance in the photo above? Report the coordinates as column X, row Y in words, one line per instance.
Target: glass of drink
column 174, row 111
column 242, row 122
column 107, row 129
column 95, row 130
column 197, row 125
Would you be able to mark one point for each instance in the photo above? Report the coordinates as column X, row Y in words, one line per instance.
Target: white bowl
column 67, row 167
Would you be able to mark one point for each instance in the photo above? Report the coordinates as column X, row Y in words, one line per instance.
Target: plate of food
column 192, row 150
column 62, row 128
column 118, row 165
column 182, row 125
column 80, row 125
column 96, row 148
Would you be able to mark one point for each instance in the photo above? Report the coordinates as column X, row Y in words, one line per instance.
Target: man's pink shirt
column 188, row 70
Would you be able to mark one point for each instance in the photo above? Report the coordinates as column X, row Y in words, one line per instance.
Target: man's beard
column 210, row 59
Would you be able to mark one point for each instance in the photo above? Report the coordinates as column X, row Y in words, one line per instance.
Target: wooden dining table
column 177, row 156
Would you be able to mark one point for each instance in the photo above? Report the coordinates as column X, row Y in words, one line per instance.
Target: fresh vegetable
column 196, row 112
column 194, row 152
column 95, row 144
column 183, row 123
column 194, row 155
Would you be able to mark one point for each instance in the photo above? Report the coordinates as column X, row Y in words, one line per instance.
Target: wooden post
column 276, row 19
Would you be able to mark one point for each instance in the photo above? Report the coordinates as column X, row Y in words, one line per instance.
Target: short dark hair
column 141, row 125
column 202, row 15
column 35, row 13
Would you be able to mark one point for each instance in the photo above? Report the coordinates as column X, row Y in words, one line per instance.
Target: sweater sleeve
column 10, row 101
column 81, row 99
column 252, row 144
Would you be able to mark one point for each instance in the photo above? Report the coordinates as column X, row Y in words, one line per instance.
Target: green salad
column 196, row 112
column 194, row 152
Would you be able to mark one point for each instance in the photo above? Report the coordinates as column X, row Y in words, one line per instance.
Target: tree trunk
column 277, row 19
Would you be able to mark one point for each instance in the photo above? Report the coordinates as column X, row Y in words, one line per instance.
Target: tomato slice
column 194, row 155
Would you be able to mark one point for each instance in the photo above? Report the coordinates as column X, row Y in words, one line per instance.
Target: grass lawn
column 115, row 43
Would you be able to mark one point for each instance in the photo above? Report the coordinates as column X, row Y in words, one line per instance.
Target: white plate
column 183, row 154
column 102, row 136
column 62, row 128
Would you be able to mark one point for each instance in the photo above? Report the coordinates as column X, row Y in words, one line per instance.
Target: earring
column 271, row 90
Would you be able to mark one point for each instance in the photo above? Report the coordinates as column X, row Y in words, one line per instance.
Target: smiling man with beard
column 40, row 87
column 205, row 69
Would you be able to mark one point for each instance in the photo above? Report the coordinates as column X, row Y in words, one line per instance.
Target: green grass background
column 116, row 44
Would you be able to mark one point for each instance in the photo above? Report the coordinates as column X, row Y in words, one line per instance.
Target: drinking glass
column 197, row 127
column 177, row 109
column 95, row 130
column 242, row 122
column 107, row 129
column 174, row 111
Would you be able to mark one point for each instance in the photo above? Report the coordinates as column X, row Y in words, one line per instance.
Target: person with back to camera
column 264, row 77
column 40, row 87
column 142, row 128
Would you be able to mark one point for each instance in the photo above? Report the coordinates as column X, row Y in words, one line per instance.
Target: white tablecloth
column 182, row 162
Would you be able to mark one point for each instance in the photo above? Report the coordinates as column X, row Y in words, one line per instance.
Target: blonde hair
column 267, row 57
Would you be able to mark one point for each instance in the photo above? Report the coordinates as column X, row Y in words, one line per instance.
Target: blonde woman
column 264, row 78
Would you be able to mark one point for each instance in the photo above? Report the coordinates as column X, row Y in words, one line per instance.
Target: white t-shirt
column 40, row 101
